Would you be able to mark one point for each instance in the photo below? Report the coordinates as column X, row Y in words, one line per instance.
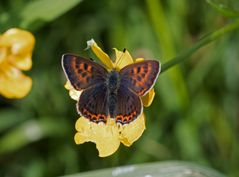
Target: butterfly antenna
column 119, row 60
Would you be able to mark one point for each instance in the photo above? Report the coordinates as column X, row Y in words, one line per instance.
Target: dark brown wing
column 82, row 73
column 140, row 77
column 93, row 103
column 128, row 107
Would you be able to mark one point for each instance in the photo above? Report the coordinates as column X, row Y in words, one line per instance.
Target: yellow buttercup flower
column 16, row 47
column 108, row 136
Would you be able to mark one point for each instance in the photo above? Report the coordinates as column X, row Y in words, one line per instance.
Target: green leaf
column 41, row 11
column 162, row 169
column 10, row 117
column 225, row 7
column 31, row 131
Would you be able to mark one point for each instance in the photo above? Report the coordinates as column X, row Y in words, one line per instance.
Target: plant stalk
column 203, row 41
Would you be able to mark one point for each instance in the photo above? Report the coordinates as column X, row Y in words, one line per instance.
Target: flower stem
column 203, row 41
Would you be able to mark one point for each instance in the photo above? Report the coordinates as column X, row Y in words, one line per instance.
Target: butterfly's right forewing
column 140, row 77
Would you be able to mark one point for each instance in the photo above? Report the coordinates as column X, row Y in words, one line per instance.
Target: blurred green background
column 195, row 113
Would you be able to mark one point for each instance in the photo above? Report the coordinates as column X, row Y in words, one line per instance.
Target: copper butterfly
column 110, row 94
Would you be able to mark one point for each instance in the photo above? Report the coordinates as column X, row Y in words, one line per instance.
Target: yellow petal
column 20, row 41
column 139, row 60
column 20, row 44
column 129, row 133
column 122, row 59
column 105, row 136
column 148, row 98
column 14, row 84
column 74, row 94
column 3, row 54
column 23, row 62
column 104, row 58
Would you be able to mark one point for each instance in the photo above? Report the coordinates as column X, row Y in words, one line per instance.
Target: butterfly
column 110, row 94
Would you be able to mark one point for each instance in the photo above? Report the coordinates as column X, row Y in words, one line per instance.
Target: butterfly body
column 110, row 94
column 113, row 83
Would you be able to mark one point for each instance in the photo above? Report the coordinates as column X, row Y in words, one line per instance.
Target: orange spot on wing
column 126, row 119
column 94, row 117
column 89, row 69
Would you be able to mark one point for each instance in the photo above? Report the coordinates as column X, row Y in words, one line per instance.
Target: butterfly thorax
column 113, row 82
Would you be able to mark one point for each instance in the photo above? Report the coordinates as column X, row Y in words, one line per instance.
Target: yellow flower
column 108, row 137
column 16, row 47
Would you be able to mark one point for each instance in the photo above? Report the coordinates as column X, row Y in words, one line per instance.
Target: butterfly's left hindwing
column 93, row 103
column 82, row 73
column 140, row 77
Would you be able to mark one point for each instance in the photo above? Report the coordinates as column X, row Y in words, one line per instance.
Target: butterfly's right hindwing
column 82, row 73
column 128, row 107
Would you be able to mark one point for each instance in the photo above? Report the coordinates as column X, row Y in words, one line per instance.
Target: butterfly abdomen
column 112, row 105
column 113, row 82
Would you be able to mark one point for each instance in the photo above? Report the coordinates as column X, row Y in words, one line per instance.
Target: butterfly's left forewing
column 88, row 77
column 82, row 73
column 140, row 77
